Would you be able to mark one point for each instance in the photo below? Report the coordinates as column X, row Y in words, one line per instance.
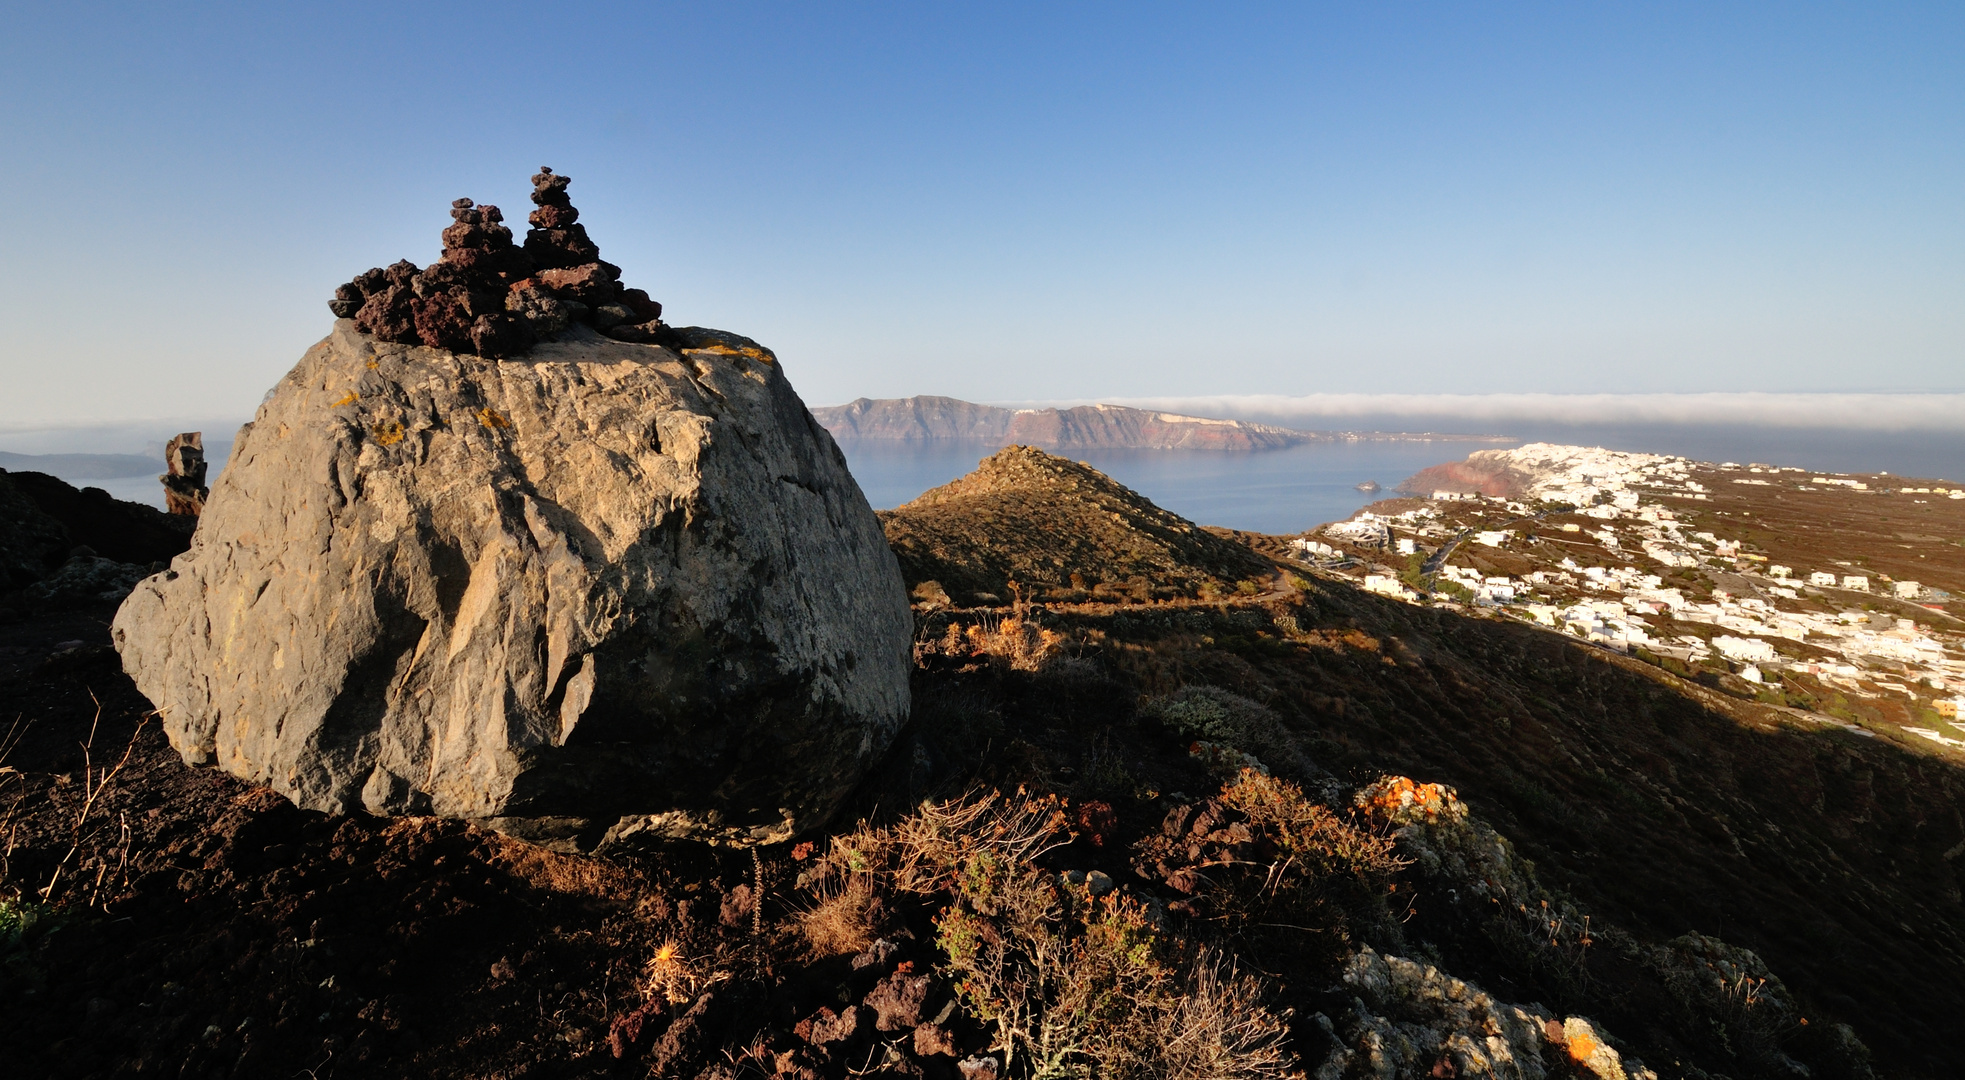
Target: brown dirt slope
column 1060, row 530
column 181, row 923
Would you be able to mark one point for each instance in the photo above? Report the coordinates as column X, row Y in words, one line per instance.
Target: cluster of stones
column 489, row 296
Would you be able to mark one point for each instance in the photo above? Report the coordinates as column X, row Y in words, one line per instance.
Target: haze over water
column 1277, row 491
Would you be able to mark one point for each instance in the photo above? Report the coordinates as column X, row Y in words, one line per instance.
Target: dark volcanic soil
column 198, row 927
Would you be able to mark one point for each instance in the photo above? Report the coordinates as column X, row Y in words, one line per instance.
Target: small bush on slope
column 1071, row 984
column 1215, row 715
column 1274, row 874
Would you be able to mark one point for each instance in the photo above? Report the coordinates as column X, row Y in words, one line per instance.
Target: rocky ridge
column 1058, row 529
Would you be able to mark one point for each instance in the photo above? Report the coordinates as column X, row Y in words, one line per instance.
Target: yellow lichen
column 349, row 400
column 490, row 418
column 745, row 351
column 388, row 434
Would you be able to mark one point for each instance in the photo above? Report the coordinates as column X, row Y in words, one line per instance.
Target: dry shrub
column 562, row 873
column 1310, row 833
column 1079, row 986
column 1216, row 1028
column 1072, row 985
column 927, row 850
column 1275, row 874
column 672, row 976
column 1010, row 640
column 843, row 919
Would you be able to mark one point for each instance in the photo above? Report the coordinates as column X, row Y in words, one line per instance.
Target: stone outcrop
column 184, row 480
column 1409, row 1018
column 489, row 296
column 614, row 590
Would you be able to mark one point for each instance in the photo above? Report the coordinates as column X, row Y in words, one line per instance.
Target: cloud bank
column 1844, row 412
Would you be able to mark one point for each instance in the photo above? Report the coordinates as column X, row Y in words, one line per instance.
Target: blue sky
column 1014, row 202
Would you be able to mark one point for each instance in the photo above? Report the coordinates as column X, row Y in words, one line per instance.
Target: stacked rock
column 556, row 239
column 486, row 295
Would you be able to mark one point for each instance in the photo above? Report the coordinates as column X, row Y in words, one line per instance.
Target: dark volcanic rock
column 490, row 297
column 90, row 517
column 86, row 580
column 32, row 543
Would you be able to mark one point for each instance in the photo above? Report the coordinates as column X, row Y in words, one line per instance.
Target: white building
column 1750, row 649
column 1858, row 582
column 1387, row 585
column 1820, row 578
column 1365, row 529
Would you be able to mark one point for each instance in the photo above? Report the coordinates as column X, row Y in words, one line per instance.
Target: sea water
column 1274, row 491
column 1289, row 491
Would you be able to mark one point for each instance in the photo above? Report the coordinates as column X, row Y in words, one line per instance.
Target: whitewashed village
column 1709, row 570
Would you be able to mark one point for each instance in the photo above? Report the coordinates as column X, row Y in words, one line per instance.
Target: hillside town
column 1731, row 572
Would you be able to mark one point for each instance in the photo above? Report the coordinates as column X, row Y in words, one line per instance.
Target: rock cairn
column 491, row 297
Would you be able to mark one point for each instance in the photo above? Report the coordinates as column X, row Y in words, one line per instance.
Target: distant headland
column 1085, row 427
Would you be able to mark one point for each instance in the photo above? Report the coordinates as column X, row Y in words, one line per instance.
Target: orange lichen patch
column 747, row 352
column 372, row 365
column 1400, row 796
column 388, row 434
column 490, row 418
column 1582, row 1045
column 349, row 400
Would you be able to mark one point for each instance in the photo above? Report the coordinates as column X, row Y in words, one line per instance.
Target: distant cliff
column 1087, row 427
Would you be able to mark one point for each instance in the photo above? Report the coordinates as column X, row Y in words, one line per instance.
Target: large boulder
column 607, row 590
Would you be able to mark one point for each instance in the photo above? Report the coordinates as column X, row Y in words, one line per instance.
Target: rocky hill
column 1291, row 830
column 1085, row 427
column 1059, row 530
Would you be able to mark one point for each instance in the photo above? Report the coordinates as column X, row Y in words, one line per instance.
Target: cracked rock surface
column 608, row 591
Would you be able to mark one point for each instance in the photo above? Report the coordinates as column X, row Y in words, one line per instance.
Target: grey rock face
column 600, row 591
